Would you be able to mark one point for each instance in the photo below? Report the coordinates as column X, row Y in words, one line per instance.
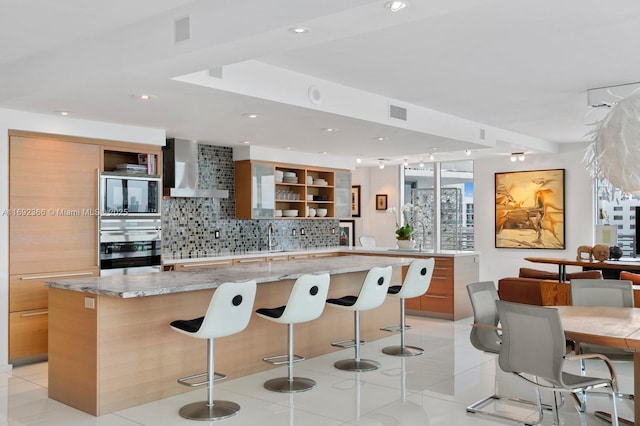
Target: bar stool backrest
column 307, row 299
column 416, row 282
column 229, row 310
column 374, row 288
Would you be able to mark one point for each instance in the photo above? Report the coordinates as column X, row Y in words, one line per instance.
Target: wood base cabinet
column 447, row 294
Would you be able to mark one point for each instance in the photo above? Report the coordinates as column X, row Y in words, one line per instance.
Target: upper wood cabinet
column 275, row 190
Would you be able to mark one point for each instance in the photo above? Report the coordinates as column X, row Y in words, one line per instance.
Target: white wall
column 378, row 223
column 579, row 213
column 17, row 120
column 494, row 263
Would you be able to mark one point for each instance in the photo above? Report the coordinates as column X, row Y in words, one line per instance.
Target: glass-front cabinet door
column 342, row 200
column 263, row 195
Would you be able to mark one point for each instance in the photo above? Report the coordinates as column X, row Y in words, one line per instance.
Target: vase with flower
column 404, row 232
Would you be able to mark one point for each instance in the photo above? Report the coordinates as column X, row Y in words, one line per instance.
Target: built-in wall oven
column 129, row 246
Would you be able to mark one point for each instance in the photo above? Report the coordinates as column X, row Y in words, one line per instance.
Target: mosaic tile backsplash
column 189, row 225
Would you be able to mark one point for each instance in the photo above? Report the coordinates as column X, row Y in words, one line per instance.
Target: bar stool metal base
column 357, row 365
column 283, row 384
column 403, row 350
column 201, row 411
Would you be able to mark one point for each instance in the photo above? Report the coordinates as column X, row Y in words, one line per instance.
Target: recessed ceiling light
column 252, row 115
column 246, row 142
column 288, row 148
column 380, row 138
column 324, row 152
column 63, row 113
column 144, row 96
column 299, row 30
column 396, row 5
column 329, row 129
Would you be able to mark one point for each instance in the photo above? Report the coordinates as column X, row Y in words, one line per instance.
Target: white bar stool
column 416, row 283
column 306, row 303
column 228, row 313
column 372, row 295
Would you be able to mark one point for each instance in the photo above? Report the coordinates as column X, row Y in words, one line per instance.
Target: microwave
column 126, row 195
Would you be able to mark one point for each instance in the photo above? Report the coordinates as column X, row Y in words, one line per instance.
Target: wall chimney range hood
column 180, row 174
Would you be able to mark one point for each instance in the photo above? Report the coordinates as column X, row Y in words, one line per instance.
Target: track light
column 421, row 164
column 381, row 165
column 430, row 157
column 467, row 152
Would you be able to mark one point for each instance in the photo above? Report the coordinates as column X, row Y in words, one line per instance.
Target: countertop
column 158, row 283
column 382, row 251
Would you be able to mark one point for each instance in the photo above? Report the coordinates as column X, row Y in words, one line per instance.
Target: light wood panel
column 138, row 357
column 28, row 333
column 53, row 192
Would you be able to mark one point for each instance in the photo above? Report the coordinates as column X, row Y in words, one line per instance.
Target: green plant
column 403, row 232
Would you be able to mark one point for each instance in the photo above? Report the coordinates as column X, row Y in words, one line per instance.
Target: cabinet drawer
column 196, row 265
column 441, row 303
column 298, row 256
column 28, row 333
column 320, row 255
column 283, row 258
column 440, row 284
column 249, row 260
column 29, row 292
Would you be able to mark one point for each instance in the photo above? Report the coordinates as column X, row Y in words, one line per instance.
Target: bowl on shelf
column 321, row 182
column 278, row 213
column 312, row 212
column 290, row 213
column 309, row 197
column 289, row 174
column 321, row 212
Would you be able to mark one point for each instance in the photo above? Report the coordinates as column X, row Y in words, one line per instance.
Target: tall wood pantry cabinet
column 53, row 223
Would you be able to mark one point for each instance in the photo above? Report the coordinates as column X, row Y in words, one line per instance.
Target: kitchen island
column 111, row 347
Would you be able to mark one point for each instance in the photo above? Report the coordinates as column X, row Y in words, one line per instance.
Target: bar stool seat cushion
column 190, row 326
column 344, row 301
column 272, row 312
column 394, row 289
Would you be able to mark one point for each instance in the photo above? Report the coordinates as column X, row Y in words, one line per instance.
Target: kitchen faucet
column 424, row 232
column 270, row 237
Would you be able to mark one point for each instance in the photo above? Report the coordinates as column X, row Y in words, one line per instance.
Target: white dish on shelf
column 278, row 213
column 321, row 212
column 289, row 174
column 321, row 182
column 312, row 212
column 290, row 180
column 290, row 213
column 309, row 197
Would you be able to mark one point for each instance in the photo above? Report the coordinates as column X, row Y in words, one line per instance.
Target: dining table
column 609, row 326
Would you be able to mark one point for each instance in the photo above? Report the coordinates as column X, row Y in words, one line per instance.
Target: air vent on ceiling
column 182, row 29
column 397, row 112
column 482, row 134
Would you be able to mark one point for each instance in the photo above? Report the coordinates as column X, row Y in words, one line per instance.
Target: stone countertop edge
column 160, row 283
column 386, row 251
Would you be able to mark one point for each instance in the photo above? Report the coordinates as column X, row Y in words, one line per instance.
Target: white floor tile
column 432, row 389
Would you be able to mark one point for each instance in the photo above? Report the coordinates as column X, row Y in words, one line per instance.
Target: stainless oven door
column 129, row 251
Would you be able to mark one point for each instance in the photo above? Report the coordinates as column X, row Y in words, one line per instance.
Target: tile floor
column 432, row 389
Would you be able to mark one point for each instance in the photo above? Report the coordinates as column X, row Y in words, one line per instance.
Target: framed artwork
column 381, row 201
column 530, row 209
column 355, row 201
column 347, row 233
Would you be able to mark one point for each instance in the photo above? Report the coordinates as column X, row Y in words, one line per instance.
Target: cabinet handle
column 74, row 274
column 322, row 255
column 205, row 264
column 435, row 277
column 34, row 314
column 435, row 297
column 250, row 261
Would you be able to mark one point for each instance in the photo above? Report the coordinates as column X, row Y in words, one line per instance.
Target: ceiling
column 489, row 76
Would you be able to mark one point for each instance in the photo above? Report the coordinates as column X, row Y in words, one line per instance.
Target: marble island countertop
column 153, row 284
column 382, row 251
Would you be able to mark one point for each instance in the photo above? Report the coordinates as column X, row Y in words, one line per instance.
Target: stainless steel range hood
column 180, row 174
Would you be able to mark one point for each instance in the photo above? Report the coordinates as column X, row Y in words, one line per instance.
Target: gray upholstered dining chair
column 534, row 349
column 607, row 292
column 486, row 337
